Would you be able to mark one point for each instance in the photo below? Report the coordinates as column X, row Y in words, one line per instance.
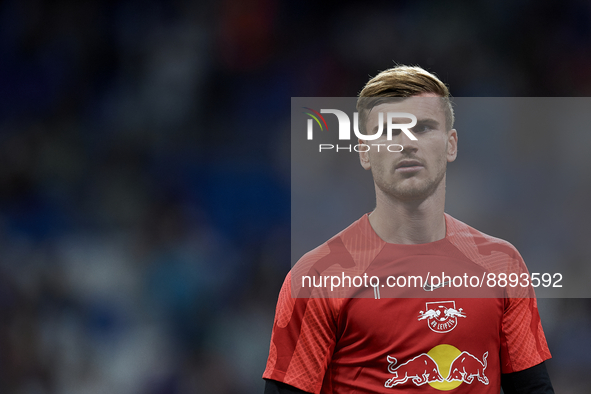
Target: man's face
column 417, row 171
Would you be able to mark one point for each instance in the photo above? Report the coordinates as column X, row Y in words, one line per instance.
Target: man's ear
column 364, row 155
column 452, row 145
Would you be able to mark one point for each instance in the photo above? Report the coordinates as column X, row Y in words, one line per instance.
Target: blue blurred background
column 145, row 171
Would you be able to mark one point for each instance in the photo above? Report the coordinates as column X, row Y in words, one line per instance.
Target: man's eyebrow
column 428, row 122
column 420, row 122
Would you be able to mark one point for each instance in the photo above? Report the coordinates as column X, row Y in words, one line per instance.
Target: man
column 387, row 338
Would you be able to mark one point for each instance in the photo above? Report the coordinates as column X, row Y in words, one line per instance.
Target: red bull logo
column 421, row 369
column 466, row 367
column 442, row 316
column 444, row 367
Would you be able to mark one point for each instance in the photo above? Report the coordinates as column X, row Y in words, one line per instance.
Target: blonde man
column 389, row 339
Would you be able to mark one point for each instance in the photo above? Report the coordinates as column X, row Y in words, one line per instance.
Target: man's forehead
column 420, row 106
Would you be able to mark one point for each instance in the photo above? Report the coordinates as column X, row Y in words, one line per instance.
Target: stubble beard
column 403, row 190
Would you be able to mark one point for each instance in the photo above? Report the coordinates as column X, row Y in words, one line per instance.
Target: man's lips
column 409, row 165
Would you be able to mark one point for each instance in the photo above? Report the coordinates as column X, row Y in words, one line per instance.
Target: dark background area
column 145, row 170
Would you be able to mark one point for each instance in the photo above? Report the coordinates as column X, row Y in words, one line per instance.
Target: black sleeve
column 534, row 380
column 275, row 387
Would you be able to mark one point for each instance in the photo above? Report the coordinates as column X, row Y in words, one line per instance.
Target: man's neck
column 410, row 222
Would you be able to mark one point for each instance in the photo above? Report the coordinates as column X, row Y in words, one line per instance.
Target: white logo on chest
column 442, row 316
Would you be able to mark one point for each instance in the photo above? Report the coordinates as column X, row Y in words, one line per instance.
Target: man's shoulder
column 478, row 245
column 461, row 231
column 342, row 250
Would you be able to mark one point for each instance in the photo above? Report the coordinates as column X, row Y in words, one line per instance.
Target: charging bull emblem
column 466, row 367
column 421, row 369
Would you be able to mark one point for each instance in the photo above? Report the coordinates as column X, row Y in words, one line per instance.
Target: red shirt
column 361, row 339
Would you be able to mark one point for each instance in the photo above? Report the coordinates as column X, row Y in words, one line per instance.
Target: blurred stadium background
column 145, row 172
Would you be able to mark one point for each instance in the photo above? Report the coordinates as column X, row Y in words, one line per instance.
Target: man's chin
column 413, row 192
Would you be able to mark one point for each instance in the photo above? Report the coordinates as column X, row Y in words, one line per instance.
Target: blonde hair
column 402, row 82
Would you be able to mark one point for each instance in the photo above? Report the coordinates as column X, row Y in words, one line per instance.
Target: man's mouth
column 409, row 166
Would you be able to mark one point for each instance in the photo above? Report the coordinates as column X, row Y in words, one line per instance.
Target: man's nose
column 408, row 145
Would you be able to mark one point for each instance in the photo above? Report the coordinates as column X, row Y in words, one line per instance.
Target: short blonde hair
column 402, row 82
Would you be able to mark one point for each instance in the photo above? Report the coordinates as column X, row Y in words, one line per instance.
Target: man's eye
column 421, row 128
